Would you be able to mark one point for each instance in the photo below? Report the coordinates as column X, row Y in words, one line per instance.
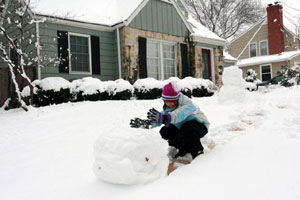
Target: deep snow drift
column 47, row 153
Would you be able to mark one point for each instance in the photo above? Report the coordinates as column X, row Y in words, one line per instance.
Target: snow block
column 130, row 156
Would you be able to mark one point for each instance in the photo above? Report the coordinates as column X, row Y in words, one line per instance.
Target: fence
column 6, row 85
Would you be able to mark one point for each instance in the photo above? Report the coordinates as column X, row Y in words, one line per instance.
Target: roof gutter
column 209, row 40
column 268, row 61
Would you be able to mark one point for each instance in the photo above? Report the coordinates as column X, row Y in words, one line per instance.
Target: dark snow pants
column 187, row 138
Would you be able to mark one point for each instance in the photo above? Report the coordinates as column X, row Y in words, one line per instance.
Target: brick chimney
column 275, row 28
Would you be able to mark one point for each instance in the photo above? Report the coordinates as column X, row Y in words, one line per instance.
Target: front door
column 206, row 64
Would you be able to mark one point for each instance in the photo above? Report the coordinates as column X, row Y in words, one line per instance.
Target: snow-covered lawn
column 47, row 153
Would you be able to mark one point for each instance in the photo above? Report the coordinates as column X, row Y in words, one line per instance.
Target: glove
column 156, row 117
column 140, row 123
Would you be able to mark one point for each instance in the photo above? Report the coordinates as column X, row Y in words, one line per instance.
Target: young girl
column 184, row 122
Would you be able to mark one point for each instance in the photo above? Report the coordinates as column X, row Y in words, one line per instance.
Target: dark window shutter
column 63, row 54
column 143, row 57
column 95, row 40
column 184, row 60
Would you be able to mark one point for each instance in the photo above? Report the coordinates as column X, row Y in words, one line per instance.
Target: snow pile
column 53, row 83
column 88, row 86
column 120, row 85
column 147, row 84
column 233, row 89
column 50, row 83
column 136, row 156
column 181, row 84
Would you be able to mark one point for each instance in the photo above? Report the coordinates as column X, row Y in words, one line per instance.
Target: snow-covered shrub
column 119, row 89
column 251, row 86
column 291, row 75
column 52, row 90
column 251, row 75
column 89, row 89
column 148, row 88
column 136, row 156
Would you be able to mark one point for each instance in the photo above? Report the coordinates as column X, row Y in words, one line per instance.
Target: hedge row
column 58, row 90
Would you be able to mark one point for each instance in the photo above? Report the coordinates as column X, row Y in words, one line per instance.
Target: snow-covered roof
column 288, row 55
column 228, row 56
column 105, row 12
column 203, row 34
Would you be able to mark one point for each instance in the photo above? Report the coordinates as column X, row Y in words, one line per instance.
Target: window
column 161, row 59
column 265, row 72
column 263, row 48
column 252, row 50
column 80, row 56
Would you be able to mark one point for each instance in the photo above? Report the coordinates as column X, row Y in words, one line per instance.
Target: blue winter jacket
column 186, row 110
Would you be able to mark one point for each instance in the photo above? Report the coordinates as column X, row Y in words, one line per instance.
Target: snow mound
column 133, row 156
column 54, row 83
column 233, row 89
column 88, row 85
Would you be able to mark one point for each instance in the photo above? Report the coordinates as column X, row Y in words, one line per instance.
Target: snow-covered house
column 268, row 45
column 129, row 39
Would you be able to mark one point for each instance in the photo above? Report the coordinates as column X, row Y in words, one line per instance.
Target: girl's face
column 171, row 105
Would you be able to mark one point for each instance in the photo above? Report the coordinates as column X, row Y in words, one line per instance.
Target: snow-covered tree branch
column 14, row 40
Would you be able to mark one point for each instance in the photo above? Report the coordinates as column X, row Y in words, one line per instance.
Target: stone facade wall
column 198, row 62
column 131, row 52
column 219, row 65
column 131, row 49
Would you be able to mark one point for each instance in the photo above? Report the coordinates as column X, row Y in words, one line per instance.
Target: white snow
column 201, row 32
column 88, row 85
column 136, row 156
column 48, row 153
column 100, row 12
column 233, row 89
column 288, row 55
column 227, row 56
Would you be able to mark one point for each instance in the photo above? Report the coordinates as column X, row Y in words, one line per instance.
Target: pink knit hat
column 169, row 93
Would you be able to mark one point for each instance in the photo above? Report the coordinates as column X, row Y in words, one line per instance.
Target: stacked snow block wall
column 56, row 90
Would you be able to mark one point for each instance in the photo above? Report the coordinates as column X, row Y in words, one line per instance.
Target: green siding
column 108, row 51
column 162, row 17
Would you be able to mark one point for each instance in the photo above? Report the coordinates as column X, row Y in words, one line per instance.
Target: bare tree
column 15, row 38
column 225, row 17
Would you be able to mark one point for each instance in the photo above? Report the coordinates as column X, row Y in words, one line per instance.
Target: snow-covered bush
column 148, row 88
column 52, row 90
column 136, row 156
column 89, row 89
column 251, row 75
column 291, row 75
column 119, row 89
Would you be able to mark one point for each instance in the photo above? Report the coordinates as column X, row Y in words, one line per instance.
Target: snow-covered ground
column 47, row 153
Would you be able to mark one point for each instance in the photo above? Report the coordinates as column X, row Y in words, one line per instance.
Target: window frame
column 89, row 49
column 260, row 70
column 255, row 49
column 260, row 47
column 161, row 75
